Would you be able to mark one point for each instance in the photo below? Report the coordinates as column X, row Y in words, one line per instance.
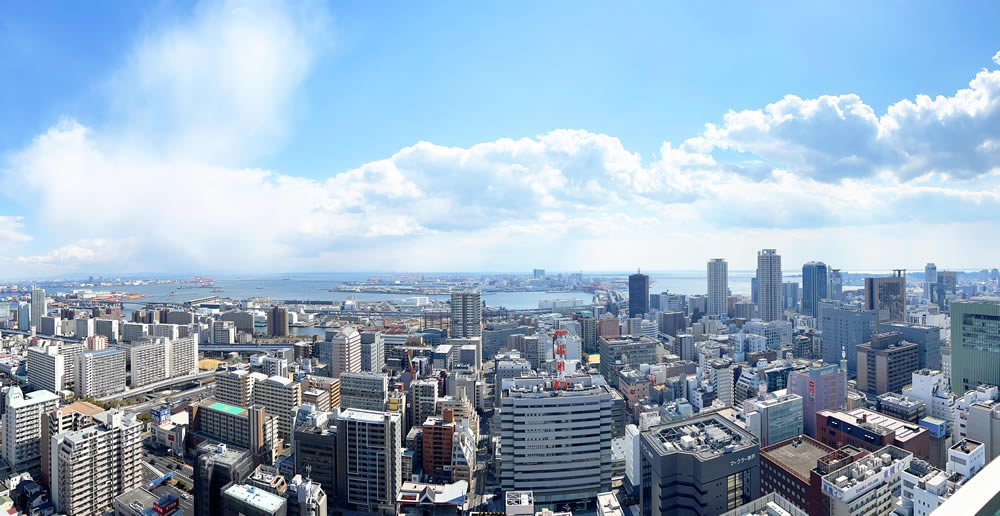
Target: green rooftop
column 236, row 411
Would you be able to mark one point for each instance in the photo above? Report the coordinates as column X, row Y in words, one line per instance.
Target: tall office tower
column 885, row 364
column 790, row 295
column 588, row 334
column 279, row 396
column 315, row 447
column 638, row 294
column 870, row 492
column 718, row 286
column 822, row 387
column 22, row 432
column 769, row 285
column 887, row 296
column 670, row 323
column 345, row 352
column 975, row 339
column 24, row 316
column 618, row 353
column 687, row 472
column 372, row 351
column 217, row 466
column 538, row 273
column 945, row 286
column 369, row 464
column 365, row 391
column 277, row 321
column 424, row 402
column 75, row 416
column 466, row 314
column 46, row 368
column 39, row 306
column 91, row 466
column 927, row 339
column 569, row 458
column 843, row 330
column 814, row 287
column 754, row 291
column 836, row 290
column 772, row 419
column 99, row 373
column 242, row 499
column 234, row 387
column 930, row 280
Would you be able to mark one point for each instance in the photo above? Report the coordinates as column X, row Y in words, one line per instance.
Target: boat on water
column 259, row 286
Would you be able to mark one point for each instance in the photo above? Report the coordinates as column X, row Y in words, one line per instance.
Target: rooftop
column 366, row 416
column 519, row 498
column 255, row 497
column 706, row 436
column 966, row 445
column 904, row 431
column 798, row 454
column 229, row 409
column 855, row 479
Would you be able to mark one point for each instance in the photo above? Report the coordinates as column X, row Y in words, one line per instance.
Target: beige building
column 279, row 396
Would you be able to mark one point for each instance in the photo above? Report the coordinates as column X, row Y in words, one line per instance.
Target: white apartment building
column 183, row 353
column 466, row 314
column 46, row 368
column 769, row 279
column 365, row 391
column 279, row 396
column 369, row 452
column 90, row 467
column 148, row 361
column 556, row 443
column 345, row 352
column 776, row 333
column 22, row 430
column 99, row 373
column 235, row 387
column 424, row 403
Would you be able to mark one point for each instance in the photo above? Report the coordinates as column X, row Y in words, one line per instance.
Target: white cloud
column 996, row 58
column 11, row 228
column 79, row 253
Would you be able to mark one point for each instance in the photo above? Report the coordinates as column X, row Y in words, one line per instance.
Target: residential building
column 718, row 287
column 684, row 472
column 46, row 368
column 279, row 396
column 436, row 447
column 234, row 387
column 769, row 285
column 315, row 448
column 466, row 314
column 254, row 429
column 885, row 364
column 345, row 356
column 424, row 403
column 93, row 465
column 99, row 373
column 777, row 333
column 39, row 306
column 22, row 415
column 887, row 296
column 638, row 295
column 369, row 460
column 372, row 351
column 975, row 343
column 866, row 486
column 555, row 442
column 75, row 416
column 277, row 321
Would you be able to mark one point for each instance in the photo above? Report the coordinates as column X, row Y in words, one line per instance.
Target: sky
column 235, row 137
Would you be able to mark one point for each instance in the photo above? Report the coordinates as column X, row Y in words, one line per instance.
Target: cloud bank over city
column 198, row 101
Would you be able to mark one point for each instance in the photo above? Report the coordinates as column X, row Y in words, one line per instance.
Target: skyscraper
column 369, row 460
column 769, row 284
column 975, row 344
column 39, row 305
column 466, row 314
column 638, row 294
column 843, row 330
column 814, row 283
column 887, row 296
column 930, row 279
column 718, row 286
column 836, row 290
column 277, row 321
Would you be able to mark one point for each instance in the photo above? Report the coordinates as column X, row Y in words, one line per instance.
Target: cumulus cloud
column 11, row 228
column 78, row 253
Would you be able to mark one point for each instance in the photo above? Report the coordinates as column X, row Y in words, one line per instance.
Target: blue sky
column 235, row 137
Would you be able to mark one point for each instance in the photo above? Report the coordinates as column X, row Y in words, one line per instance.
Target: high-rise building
column 466, row 314
column 772, row 419
column 887, row 296
column 886, row 363
column 93, row 465
column 247, row 500
column 866, row 486
column 234, row 387
column 836, row 290
column 372, row 351
column 843, row 330
column 790, row 295
column 927, row 339
column 687, row 474
column 39, row 306
column 588, row 334
column 794, row 469
column 945, row 288
column 345, row 352
column 556, row 442
column 217, row 466
column 930, row 280
column 279, row 395
column 22, row 432
column 369, row 464
column 365, row 391
column 315, row 448
column 254, row 429
column 975, row 343
column 424, row 402
column 75, row 416
column 24, row 316
column 769, row 304
column 822, row 387
column 617, row 353
column 671, row 323
column 718, row 286
column 277, row 321
column 99, row 373
column 814, row 287
column 638, row 294
column 46, row 368
column 148, row 360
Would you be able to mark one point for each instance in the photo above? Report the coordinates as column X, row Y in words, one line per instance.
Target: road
column 186, row 500
column 159, row 385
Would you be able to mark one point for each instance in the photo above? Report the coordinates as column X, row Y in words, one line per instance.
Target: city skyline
column 168, row 136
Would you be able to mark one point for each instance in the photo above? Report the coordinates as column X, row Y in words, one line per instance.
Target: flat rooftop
column 705, row 437
column 256, row 497
column 798, row 454
column 904, row 430
column 229, row 409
